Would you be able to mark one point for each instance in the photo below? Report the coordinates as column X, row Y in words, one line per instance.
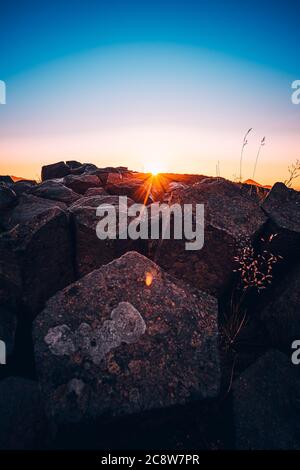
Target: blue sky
column 127, row 81
column 33, row 32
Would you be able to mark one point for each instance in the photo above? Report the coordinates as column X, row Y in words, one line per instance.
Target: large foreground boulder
column 266, row 405
column 123, row 339
column 55, row 170
column 282, row 205
column 91, row 252
column 23, row 423
column 35, row 253
column 231, row 215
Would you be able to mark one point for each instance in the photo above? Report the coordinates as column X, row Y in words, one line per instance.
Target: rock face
column 55, row 170
column 141, row 188
column 23, row 423
column 55, row 191
column 265, row 401
column 123, row 339
column 28, row 208
column 95, row 192
column 282, row 314
column 73, row 164
column 8, row 325
column 6, row 179
column 81, row 183
column 87, row 168
column 35, row 253
column 231, row 214
column 23, row 186
column 137, row 191
column 8, row 197
column 282, row 205
column 91, row 252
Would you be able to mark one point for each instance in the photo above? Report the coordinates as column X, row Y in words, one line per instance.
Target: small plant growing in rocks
column 255, row 274
column 255, row 269
column 294, row 173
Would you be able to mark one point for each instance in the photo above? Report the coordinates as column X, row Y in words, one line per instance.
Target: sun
column 153, row 167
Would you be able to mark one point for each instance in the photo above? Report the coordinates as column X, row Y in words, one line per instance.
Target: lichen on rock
column 125, row 326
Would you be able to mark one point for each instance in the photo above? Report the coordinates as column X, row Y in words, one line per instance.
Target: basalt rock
column 28, row 207
column 142, row 189
column 85, row 168
column 55, row 191
column 231, row 214
column 8, row 325
column 266, row 405
column 124, row 339
column 73, row 164
column 23, row 186
column 81, row 183
column 282, row 205
column 6, row 179
column 8, row 197
column 23, row 423
column 55, row 170
column 91, row 252
column 36, row 253
column 95, row 192
column 281, row 315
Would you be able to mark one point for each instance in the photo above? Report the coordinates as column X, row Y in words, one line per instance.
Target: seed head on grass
column 255, row 269
column 262, row 144
column 245, row 142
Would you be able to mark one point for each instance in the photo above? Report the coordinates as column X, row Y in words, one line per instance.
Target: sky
column 169, row 85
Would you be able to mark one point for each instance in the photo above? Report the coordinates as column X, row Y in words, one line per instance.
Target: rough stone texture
column 73, row 164
column 91, row 253
column 35, row 254
column 85, row 168
column 104, row 173
column 81, row 183
column 141, row 187
column 282, row 205
column 183, row 178
column 23, row 186
column 232, row 213
column 136, row 190
column 55, row 170
column 123, row 339
column 23, row 422
column 28, row 208
column 8, row 325
column 266, row 404
column 281, row 316
column 8, row 197
column 6, row 179
column 56, row 191
column 95, row 192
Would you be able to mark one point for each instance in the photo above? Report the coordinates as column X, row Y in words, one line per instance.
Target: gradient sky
column 173, row 84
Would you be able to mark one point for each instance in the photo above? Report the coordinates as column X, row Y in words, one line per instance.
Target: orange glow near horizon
column 178, row 150
column 153, row 109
